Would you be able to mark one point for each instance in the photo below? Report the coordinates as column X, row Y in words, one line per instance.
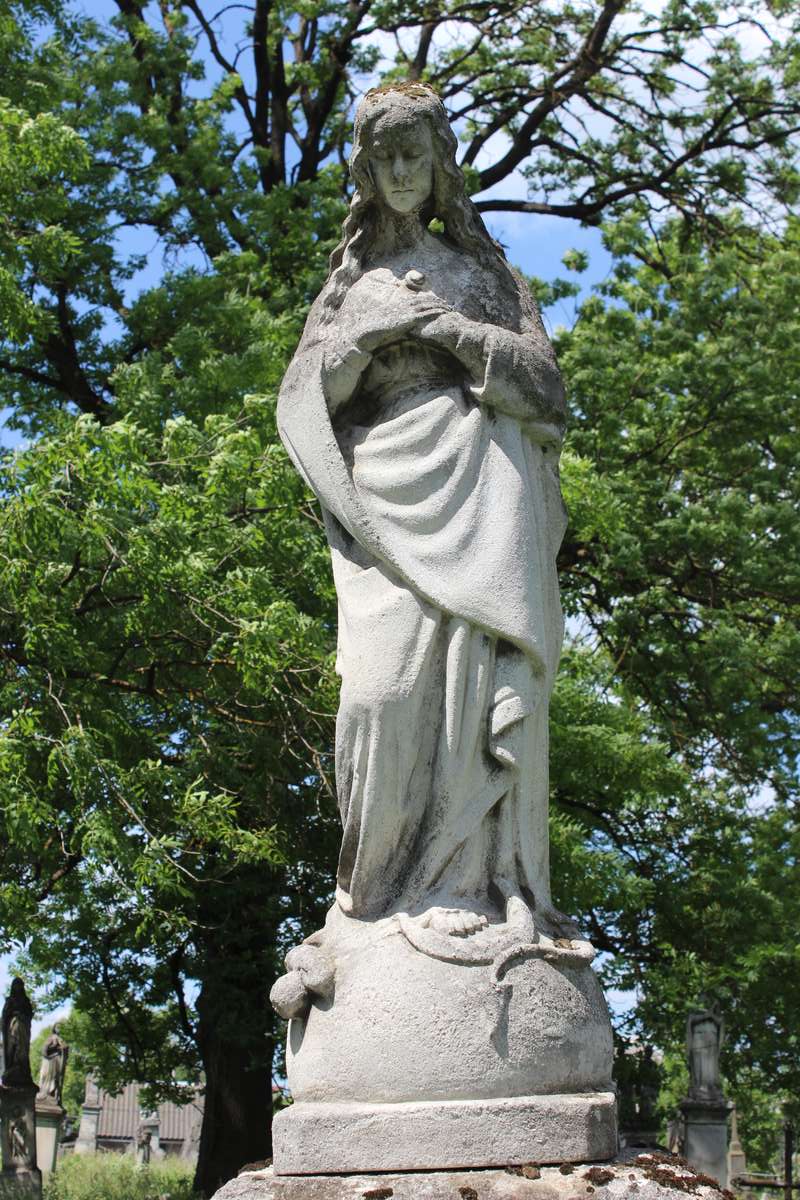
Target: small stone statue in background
column 625, row 1079
column 17, row 1017
column 704, row 1035
column 54, row 1063
column 143, row 1140
column 648, row 1085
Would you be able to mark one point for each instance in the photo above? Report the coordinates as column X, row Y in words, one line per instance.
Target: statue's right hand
column 391, row 312
column 342, row 370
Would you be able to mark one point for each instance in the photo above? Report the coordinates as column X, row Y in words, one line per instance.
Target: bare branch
column 569, row 80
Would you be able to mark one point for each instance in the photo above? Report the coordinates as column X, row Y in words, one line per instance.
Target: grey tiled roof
column 120, row 1116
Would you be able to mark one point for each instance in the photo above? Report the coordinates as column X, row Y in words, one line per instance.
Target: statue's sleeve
column 516, row 373
column 304, row 424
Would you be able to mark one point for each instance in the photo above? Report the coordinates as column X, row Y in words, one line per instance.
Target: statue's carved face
column 401, row 161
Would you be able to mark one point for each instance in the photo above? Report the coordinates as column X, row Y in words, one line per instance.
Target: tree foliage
column 166, row 611
column 167, row 630
column 683, row 489
column 683, row 380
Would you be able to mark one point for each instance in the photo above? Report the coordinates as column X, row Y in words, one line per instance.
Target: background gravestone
column 705, row 1109
column 20, row 1175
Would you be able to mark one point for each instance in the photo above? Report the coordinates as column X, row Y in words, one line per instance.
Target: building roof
column 120, row 1116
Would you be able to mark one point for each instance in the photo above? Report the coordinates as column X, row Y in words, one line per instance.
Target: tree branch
column 33, row 376
column 61, row 351
column 420, row 59
column 240, row 95
column 577, row 73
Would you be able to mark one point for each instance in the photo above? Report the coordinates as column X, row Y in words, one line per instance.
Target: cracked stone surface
column 650, row 1176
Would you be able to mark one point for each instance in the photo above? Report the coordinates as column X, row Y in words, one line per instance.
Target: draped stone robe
column 438, row 480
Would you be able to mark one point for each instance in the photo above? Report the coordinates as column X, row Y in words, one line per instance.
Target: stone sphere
column 405, row 1026
column 289, row 996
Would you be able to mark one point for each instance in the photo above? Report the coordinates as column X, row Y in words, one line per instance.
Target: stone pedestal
column 449, row 1133
column 21, row 1175
column 90, row 1115
column 421, row 1063
column 643, row 1177
column 705, row 1141
column 49, row 1123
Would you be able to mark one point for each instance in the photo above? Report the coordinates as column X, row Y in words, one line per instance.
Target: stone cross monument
column 20, row 1175
column 447, row 1015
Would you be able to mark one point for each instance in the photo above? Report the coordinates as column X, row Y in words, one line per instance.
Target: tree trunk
column 236, row 1027
column 237, row 1119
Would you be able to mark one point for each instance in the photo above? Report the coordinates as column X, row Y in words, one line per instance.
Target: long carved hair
column 449, row 202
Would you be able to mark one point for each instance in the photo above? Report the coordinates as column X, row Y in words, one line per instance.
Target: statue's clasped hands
column 389, row 312
column 397, row 310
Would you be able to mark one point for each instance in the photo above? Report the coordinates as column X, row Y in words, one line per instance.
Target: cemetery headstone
column 737, row 1160
column 151, row 1122
column 86, row 1142
column 637, row 1073
column 144, row 1138
column 705, row 1109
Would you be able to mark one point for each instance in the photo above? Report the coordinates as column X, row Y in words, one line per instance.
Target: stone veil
column 425, row 410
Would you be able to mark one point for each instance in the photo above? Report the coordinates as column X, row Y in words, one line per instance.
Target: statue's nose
column 399, row 167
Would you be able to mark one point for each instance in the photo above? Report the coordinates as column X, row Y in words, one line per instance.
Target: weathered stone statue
column 20, row 1175
column 704, row 1035
column 648, row 1085
column 54, row 1064
column 17, row 1017
column 447, row 1014
column 625, row 1072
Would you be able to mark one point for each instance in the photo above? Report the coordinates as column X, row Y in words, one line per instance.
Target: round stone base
column 310, row 1139
column 406, row 1025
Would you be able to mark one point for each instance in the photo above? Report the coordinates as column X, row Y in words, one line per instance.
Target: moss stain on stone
column 598, row 1175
